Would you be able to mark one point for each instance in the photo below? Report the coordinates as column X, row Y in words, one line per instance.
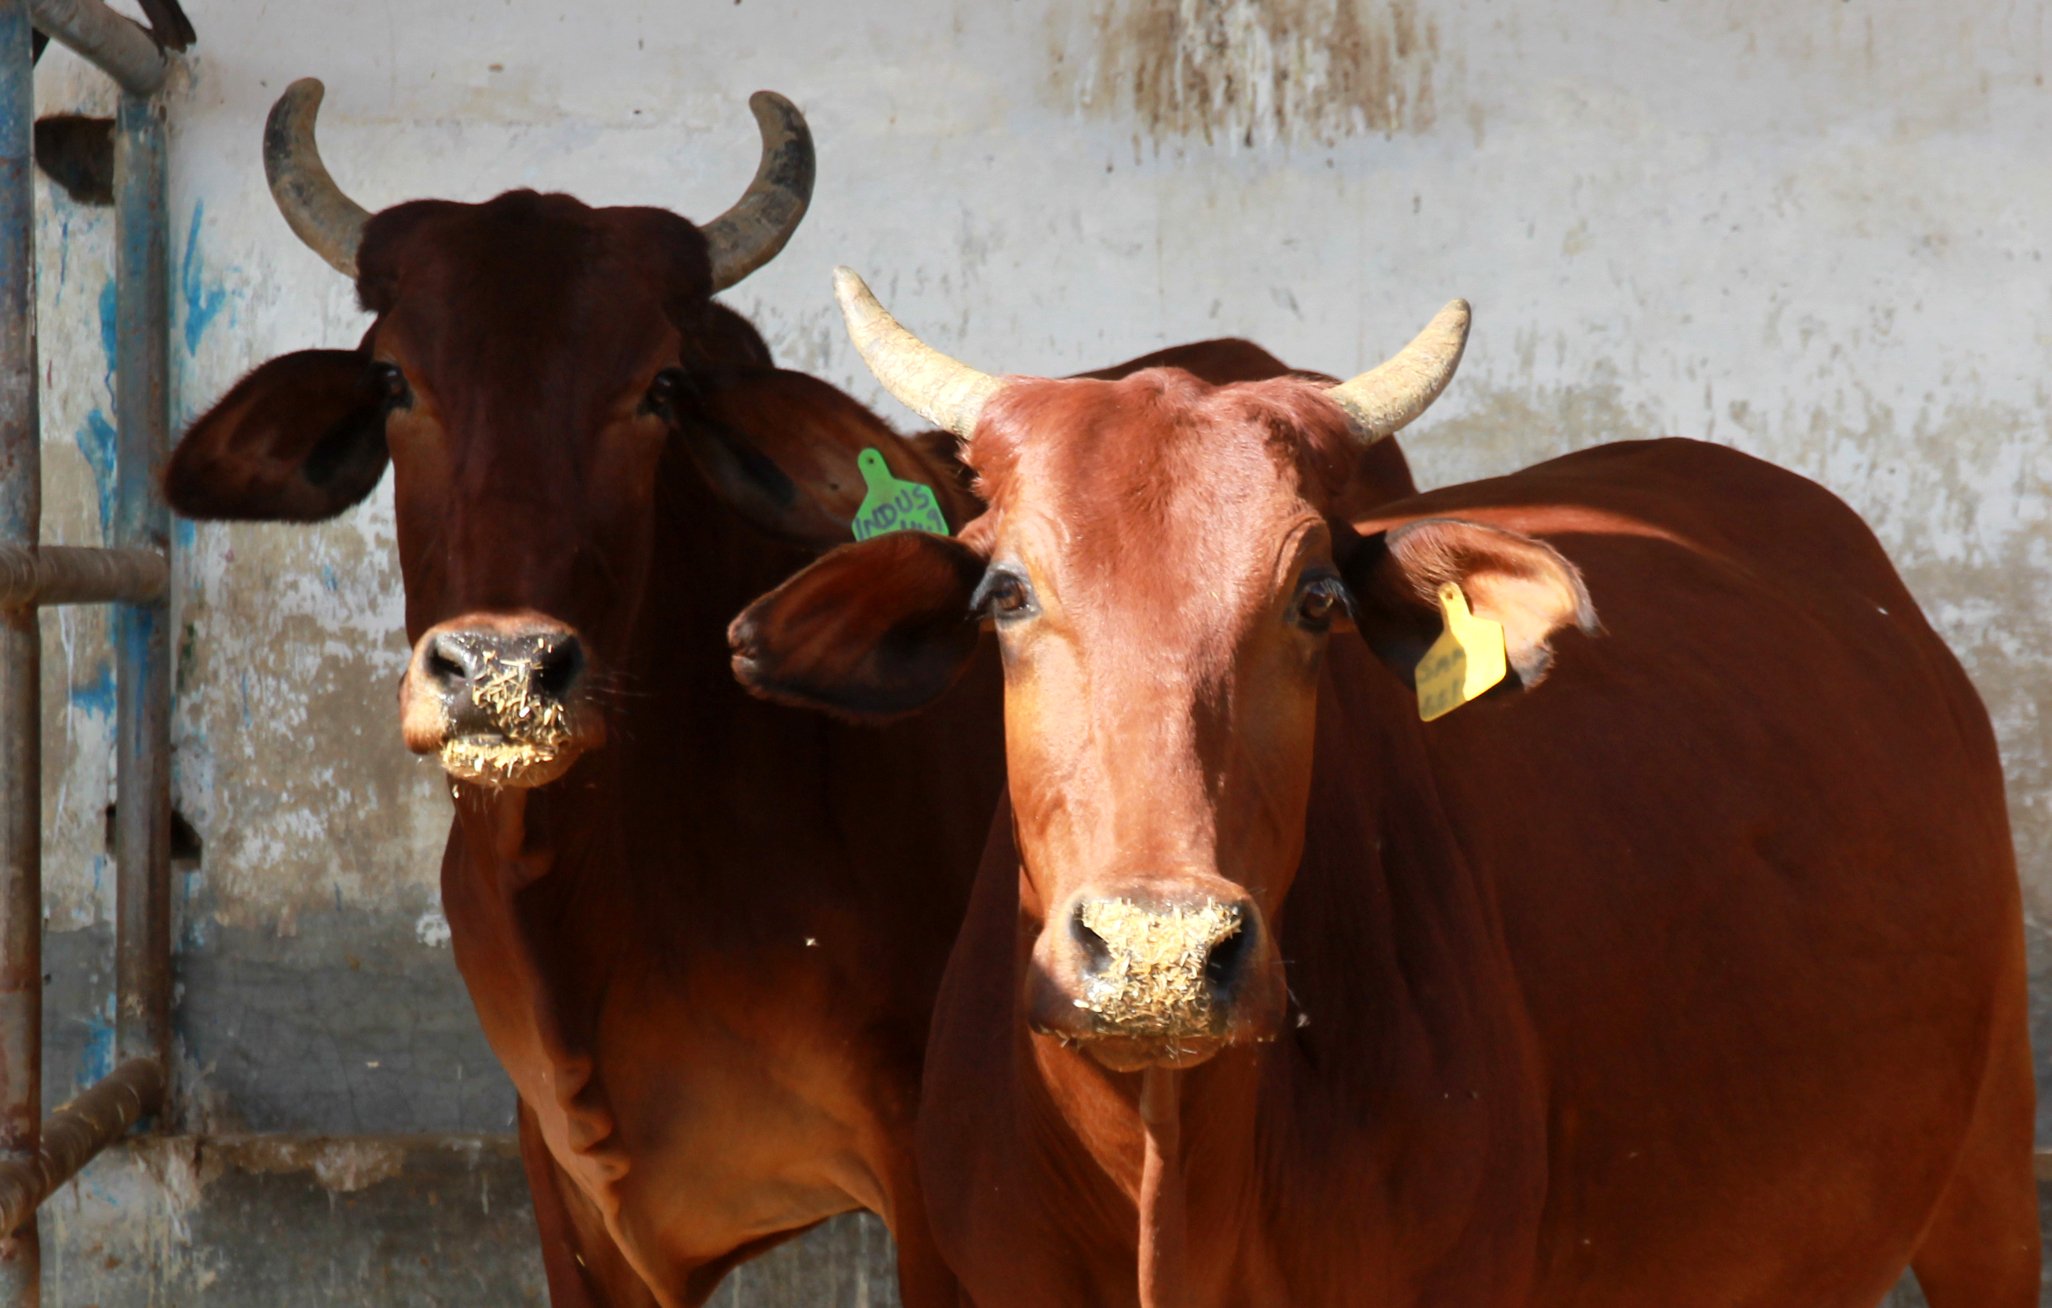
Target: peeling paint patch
column 432, row 930
column 1250, row 72
column 340, row 1166
column 203, row 303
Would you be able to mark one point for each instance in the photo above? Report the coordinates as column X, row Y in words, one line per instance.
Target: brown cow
column 1684, row 968
column 706, row 953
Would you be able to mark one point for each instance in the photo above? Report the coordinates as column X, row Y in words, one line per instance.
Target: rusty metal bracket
column 75, row 1133
column 63, row 574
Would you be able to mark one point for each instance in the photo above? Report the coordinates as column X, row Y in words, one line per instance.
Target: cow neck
column 1409, row 1028
column 698, row 746
column 1163, row 1219
column 495, row 823
column 1407, row 1050
column 765, row 817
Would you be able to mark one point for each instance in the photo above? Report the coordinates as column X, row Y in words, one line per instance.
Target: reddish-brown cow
column 1686, row 967
column 707, row 951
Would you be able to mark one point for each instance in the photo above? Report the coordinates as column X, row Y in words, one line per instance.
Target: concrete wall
column 1815, row 232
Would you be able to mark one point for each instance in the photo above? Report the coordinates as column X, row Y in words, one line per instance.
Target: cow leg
column 584, row 1267
column 1981, row 1247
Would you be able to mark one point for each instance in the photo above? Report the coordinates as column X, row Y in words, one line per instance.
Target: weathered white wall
column 1816, row 232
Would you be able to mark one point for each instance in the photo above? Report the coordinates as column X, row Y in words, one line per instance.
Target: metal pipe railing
column 64, row 574
column 37, row 1156
column 77, row 1132
column 142, row 652
column 113, row 44
column 21, row 648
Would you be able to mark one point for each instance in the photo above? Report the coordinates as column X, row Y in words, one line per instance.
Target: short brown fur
column 1685, row 969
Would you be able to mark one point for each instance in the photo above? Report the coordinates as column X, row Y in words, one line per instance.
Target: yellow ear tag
column 1467, row 659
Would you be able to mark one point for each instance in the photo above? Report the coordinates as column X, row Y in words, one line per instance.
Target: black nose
column 494, row 680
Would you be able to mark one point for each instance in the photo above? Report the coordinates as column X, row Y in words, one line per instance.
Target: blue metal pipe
column 142, row 654
column 21, row 785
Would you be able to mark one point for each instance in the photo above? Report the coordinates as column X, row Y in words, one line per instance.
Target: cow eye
column 1322, row 599
column 389, row 381
column 663, row 391
column 1003, row 596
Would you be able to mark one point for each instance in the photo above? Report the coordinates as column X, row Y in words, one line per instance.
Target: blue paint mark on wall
column 97, row 1059
column 202, row 303
column 96, row 697
column 96, row 439
column 96, row 443
column 110, row 327
column 184, row 534
column 329, row 579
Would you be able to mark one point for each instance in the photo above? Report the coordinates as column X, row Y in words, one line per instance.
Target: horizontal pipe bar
column 66, row 574
column 284, row 1151
column 116, row 46
column 76, row 1132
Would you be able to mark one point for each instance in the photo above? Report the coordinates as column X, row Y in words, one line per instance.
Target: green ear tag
column 893, row 505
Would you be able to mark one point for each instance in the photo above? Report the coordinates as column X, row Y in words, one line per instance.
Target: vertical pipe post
column 21, row 782
column 142, row 822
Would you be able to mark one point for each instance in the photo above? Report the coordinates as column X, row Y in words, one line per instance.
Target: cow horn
column 749, row 235
column 944, row 391
column 1381, row 401
column 329, row 222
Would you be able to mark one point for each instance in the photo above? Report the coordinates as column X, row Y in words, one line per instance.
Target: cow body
column 1682, row 966
column 1689, row 978
column 708, row 963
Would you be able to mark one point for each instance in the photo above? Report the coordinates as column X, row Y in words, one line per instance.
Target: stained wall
column 1814, row 232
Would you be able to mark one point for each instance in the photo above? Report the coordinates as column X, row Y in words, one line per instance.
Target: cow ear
column 1523, row 583
column 867, row 631
column 298, row 440
column 781, row 448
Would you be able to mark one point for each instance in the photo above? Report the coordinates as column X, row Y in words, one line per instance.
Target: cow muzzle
column 501, row 698
column 1148, row 978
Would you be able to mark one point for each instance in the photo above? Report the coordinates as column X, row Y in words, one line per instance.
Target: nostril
column 557, row 667
column 1222, row 967
column 1096, row 953
column 447, row 662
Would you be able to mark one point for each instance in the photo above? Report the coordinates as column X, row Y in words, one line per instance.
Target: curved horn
column 1383, row 400
column 329, row 222
column 947, row 393
column 749, row 235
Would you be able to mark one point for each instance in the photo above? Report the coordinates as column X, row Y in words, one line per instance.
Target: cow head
column 531, row 360
column 1163, row 563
